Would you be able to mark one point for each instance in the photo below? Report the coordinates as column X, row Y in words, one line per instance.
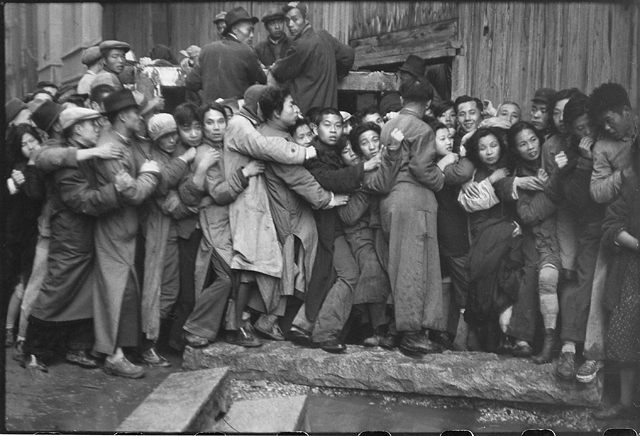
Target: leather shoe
column 243, row 337
column 195, row 341
column 417, row 342
column 152, row 358
column 31, row 361
column 333, row 346
column 268, row 326
column 522, row 350
column 442, row 338
column 565, row 368
column 81, row 358
column 390, row 341
column 298, row 336
column 123, row 368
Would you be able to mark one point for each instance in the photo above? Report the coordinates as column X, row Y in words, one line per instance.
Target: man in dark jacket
column 277, row 43
column 314, row 63
column 240, row 65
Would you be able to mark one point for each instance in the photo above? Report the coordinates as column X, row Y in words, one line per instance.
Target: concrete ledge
column 270, row 415
column 470, row 375
column 184, row 402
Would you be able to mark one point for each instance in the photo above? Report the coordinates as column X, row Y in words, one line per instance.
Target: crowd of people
column 264, row 213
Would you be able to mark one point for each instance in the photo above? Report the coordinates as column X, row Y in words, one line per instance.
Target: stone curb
column 269, row 415
column 469, row 375
column 183, row 402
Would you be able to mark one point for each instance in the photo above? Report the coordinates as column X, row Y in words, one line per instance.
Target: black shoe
column 243, row 337
column 298, row 336
column 548, row 347
column 507, row 344
column 32, row 361
column 333, row 346
column 442, row 338
column 152, row 358
column 195, row 341
column 417, row 342
column 390, row 341
column 522, row 350
column 268, row 327
column 81, row 358
column 565, row 368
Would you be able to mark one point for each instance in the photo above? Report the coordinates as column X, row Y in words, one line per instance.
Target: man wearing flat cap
column 314, row 63
column 117, row 296
column 113, row 63
column 220, row 23
column 277, row 43
column 62, row 312
column 91, row 57
column 227, row 68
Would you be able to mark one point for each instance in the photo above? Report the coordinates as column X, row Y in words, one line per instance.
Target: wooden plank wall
column 511, row 49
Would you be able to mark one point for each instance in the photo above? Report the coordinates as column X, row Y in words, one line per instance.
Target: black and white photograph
column 324, row 217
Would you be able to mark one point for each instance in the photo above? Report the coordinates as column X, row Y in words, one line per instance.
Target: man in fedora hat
column 227, row 68
column 91, row 57
column 314, row 63
column 415, row 68
column 45, row 118
column 220, row 23
column 277, row 43
column 113, row 63
column 62, row 311
column 117, row 296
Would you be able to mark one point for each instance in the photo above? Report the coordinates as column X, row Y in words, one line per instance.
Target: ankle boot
column 547, row 348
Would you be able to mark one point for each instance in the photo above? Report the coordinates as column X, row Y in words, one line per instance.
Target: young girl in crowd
column 537, row 213
column 24, row 208
column 445, row 113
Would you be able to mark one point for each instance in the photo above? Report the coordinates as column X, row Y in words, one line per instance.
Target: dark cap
column 119, row 100
column 390, row 103
column 46, row 115
column 544, row 95
column 273, row 15
column 46, row 83
column 91, row 55
column 13, row 108
column 296, row 5
column 414, row 65
column 105, row 46
column 220, row 17
column 238, row 14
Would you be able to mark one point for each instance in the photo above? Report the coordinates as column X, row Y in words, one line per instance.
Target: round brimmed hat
column 13, row 108
column 105, row 46
column 273, row 15
column 73, row 115
column 544, row 95
column 238, row 14
column 119, row 100
column 414, row 65
column 345, row 116
column 91, row 55
column 160, row 125
column 46, row 115
column 296, row 5
column 220, row 17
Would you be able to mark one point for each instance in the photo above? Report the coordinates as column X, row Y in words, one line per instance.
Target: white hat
column 73, row 115
column 345, row 115
column 161, row 124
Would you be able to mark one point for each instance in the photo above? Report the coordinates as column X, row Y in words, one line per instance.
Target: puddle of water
column 355, row 414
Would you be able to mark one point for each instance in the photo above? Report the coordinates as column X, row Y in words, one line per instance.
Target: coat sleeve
column 341, row 180
column 250, row 142
column 138, row 191
column 52, row 158
column 458, row 173
column 616, row 218
column 224, row 191
column 289, row 67
column 382, row 180
column 345, row 56
column 534, row 206
column 357, row 206
column 256, row 72
column 605, row 181
column 77, row 194
column 171, row 175
column 422, row 161
column 300, row 180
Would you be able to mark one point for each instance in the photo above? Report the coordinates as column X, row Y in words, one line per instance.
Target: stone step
column 268, row 415
column 184, row 402
column 469, row 374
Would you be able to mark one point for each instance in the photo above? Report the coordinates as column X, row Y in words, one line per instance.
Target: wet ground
column 69, row 398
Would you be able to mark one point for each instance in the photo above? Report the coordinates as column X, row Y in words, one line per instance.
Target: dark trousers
column 206, row 317
column 188, row 250
column 47, row 338
column 458, row 267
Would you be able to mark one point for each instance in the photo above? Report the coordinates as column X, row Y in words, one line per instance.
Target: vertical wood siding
column 511, row 49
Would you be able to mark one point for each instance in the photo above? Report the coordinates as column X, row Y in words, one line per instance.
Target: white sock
column 505, row 318
column 569, row 347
